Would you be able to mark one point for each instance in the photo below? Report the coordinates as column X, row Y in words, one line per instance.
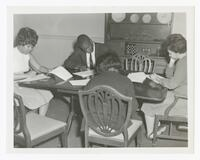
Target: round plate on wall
column 134, row 18
column 146, row 18
column 118, row 17
column 164, row 18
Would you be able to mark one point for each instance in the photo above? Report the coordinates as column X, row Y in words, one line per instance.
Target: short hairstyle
column 176, row 43
column 26, row 36
column 107, row 61
column 83, row 39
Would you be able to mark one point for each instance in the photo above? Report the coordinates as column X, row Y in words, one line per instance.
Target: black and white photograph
column 99, row 79
column 125, row 86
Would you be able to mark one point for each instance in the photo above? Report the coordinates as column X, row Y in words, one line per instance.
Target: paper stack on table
column 138, row 77
column 82, row 82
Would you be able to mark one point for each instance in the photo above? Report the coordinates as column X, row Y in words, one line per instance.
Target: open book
column 155, row 77
column 138, row 77
column 62, row 73
column 85, row 74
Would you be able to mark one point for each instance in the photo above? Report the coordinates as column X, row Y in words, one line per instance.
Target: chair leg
column 28, row 142
column 155, row 130
column 86, row 141
column 139, row 138
column 64, row 140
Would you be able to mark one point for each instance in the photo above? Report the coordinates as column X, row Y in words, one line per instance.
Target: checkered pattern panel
column 131, row 49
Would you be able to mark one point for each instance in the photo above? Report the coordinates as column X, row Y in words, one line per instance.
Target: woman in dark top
column 108, row 73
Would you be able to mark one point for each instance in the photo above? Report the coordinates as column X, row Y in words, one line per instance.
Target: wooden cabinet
column 141, row 33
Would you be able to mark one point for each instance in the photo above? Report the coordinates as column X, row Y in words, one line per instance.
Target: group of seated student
column 90, row 55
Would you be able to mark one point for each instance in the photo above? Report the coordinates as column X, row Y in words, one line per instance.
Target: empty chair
column 139, row 63
column 175, row 118
column 107, row 117
column 31, row 129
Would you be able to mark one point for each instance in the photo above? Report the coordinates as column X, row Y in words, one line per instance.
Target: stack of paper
column 156, row 78
column 85, row 74
column 62, row 73
column 138, row 77
column 35, row 78
column 82, row 82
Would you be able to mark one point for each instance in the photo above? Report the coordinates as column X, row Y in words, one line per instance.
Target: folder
column 82, row 82
column 61, row 72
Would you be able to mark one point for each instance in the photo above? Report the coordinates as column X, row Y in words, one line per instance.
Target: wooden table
column 142, row 91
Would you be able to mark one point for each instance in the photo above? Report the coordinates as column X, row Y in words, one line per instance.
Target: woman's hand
column 44, row 69
column 171, row 62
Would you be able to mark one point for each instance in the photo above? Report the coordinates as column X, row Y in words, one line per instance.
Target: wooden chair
column 107, row 117
column 138, row 63
column 169, row 119
column 31, row 129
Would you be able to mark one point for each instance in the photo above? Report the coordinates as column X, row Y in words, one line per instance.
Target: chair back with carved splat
column 107, row 112
column 139, row 63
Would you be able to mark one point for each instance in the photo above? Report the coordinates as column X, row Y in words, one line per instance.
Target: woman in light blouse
column 25, row 42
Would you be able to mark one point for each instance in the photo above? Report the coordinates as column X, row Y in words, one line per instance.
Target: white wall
column 179, row 23
column 57, row 33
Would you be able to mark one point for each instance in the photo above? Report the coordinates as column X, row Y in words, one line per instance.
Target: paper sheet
column 82, row 82
column 85, row 74
column 138, row 77
column 34, row 78
column 62, row 73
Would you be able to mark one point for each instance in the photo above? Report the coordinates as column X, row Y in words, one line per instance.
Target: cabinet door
column 145, row 31
column 142, row 33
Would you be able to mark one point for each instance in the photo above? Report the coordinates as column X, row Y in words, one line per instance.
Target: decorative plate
column 118, row 17
column 146, row 18
column 134, row 18
column 164, row 17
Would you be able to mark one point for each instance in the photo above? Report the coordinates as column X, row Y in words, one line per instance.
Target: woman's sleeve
column 34, row 65
column 169, row 72
column 180, row 75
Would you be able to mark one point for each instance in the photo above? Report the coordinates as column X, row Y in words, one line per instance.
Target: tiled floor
column 76, row 139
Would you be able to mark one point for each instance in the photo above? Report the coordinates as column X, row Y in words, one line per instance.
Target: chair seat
column 180, row 109
column 136, row 124
column 40, row 125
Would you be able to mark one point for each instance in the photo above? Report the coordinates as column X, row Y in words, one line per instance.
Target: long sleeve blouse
column 177, row 77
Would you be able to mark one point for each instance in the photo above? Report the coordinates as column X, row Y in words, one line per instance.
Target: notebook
column 61, row 72
column 138, row 77
column 82, row 82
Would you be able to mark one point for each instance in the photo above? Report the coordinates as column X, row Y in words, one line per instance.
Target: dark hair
column 83, row 39
column 176, row 43
column 26, row 36
column 107, row 61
